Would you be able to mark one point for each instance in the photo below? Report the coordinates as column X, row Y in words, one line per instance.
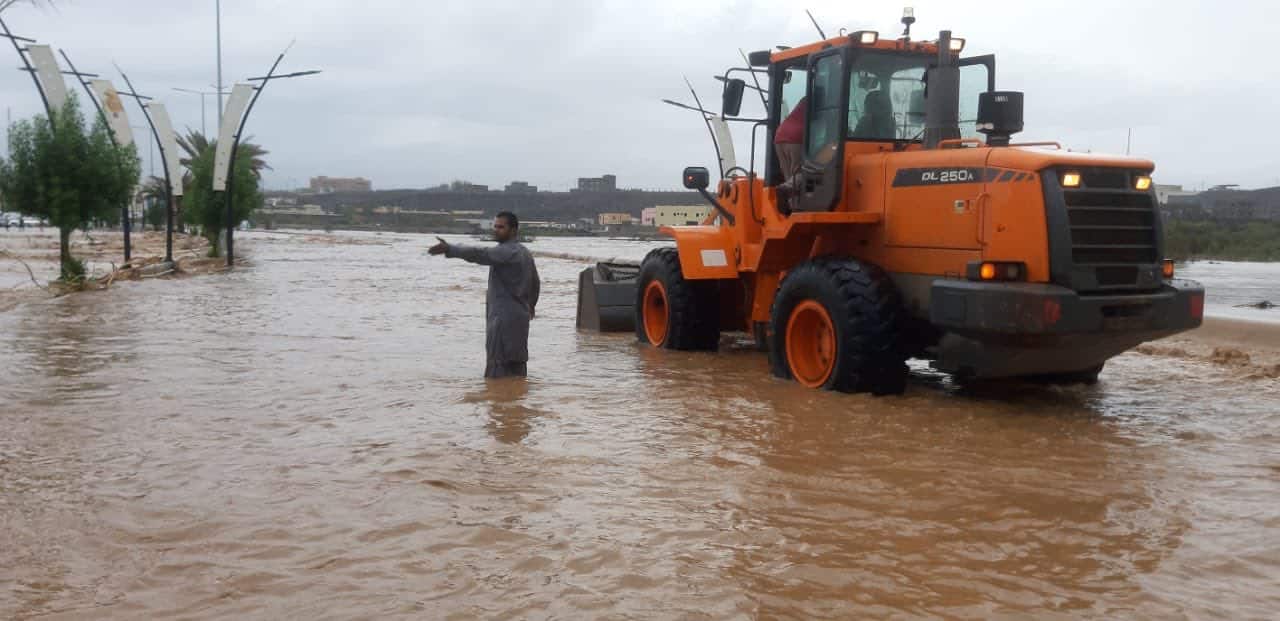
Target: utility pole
column 203, row 124
column 218, row 8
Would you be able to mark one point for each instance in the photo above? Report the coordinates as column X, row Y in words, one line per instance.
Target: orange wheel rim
column 655, row 312
column 811, row 344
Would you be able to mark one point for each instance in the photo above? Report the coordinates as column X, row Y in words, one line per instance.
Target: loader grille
column 1112, row 239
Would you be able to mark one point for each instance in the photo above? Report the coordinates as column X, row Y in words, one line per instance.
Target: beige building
column 679, row 215
column 1165, row 192
column 614, row 219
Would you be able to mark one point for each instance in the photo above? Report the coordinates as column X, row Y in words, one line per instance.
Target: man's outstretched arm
column 482, row 255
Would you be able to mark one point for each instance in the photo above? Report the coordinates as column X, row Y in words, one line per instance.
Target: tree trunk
column 215, row 243
column 64, row 252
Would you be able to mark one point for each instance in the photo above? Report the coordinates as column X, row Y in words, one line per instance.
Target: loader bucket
column 607, row 297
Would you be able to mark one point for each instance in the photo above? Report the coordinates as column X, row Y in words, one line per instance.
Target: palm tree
column 153, row 188
column 196, row 143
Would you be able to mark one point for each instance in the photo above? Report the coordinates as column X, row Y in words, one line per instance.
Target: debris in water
column 1263, row 305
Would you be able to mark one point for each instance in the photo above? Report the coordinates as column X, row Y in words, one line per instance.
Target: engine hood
column 1035, row 158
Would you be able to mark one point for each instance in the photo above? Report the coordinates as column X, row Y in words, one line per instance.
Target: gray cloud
column 418, row 93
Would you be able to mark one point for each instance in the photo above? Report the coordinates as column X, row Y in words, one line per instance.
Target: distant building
column 1165, row 192
column 294, row 209
column 613, row 219
column 1226, row 203
column 607, row 183
column 281, row 201
column 679, row 215
column 646, row 216
column 325, row 185
column 520, row 187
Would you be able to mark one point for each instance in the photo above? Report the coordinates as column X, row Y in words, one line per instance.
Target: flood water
column 309, row 437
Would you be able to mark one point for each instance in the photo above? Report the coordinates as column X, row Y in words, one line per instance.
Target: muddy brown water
column 309, row 438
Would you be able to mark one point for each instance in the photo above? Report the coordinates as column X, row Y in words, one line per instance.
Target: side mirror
column 696, row 178
column 999, row 115
column 731, row 103
column 760, row 58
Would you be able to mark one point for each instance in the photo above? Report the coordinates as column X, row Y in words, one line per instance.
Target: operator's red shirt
column 791, row 130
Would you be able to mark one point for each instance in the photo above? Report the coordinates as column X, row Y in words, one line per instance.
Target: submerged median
column 29, row 262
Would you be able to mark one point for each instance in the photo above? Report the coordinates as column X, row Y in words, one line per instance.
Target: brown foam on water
column 1250, row 349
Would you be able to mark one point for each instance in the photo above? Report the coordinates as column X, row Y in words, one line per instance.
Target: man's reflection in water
column 510, row 419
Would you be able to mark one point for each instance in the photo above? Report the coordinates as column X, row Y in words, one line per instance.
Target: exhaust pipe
column 942, row 96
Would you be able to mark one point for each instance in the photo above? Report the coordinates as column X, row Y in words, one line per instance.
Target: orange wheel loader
column 912, row 228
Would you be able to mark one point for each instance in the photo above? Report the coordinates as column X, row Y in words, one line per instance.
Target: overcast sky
column 417, row 93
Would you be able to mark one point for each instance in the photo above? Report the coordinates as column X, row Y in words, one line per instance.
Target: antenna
column 763, row 101
column 815, row 25
column 707, row 120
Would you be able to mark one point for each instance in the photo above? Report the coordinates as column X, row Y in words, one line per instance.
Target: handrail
column 956, row 142
column 1042, row 143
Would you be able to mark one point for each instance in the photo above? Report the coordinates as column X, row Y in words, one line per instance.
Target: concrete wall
column 551, row 206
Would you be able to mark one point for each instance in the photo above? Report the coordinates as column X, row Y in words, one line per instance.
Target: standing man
column 512, row 296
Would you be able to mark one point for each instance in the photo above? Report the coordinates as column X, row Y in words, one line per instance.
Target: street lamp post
column 235, row 143
column 164, row 164
column 102, row 114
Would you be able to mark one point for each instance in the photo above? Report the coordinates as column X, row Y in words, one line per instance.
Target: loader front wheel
column 811, row 344
column 835, row 324
column 671, row 312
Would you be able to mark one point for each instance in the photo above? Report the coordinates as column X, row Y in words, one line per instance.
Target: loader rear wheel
column 835, row 324
column 655, row 312
column 671, row 312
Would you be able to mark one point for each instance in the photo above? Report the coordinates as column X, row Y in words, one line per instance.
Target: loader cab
column 860, row 99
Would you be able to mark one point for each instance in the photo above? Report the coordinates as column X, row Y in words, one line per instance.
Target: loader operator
column 788, row 140
column 877, row 118
column 511, row 298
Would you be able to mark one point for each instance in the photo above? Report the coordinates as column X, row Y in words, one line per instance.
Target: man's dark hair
column 512, row 220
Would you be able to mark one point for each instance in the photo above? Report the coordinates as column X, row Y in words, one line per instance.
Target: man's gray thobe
column 509, row 304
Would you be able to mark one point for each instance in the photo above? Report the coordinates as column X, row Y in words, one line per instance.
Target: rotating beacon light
column 908, row 18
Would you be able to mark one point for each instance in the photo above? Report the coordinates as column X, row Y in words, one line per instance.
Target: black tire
column 866, row 313
column 693, row 313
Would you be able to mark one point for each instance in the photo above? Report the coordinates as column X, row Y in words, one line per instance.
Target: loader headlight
column 957, row 45
column 1071, row 180
column 866, row 37
column 1142, row 183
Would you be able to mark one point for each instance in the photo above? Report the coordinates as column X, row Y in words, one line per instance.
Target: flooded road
column 310, row 437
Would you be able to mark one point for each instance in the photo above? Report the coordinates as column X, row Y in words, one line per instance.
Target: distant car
column 16, row 219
